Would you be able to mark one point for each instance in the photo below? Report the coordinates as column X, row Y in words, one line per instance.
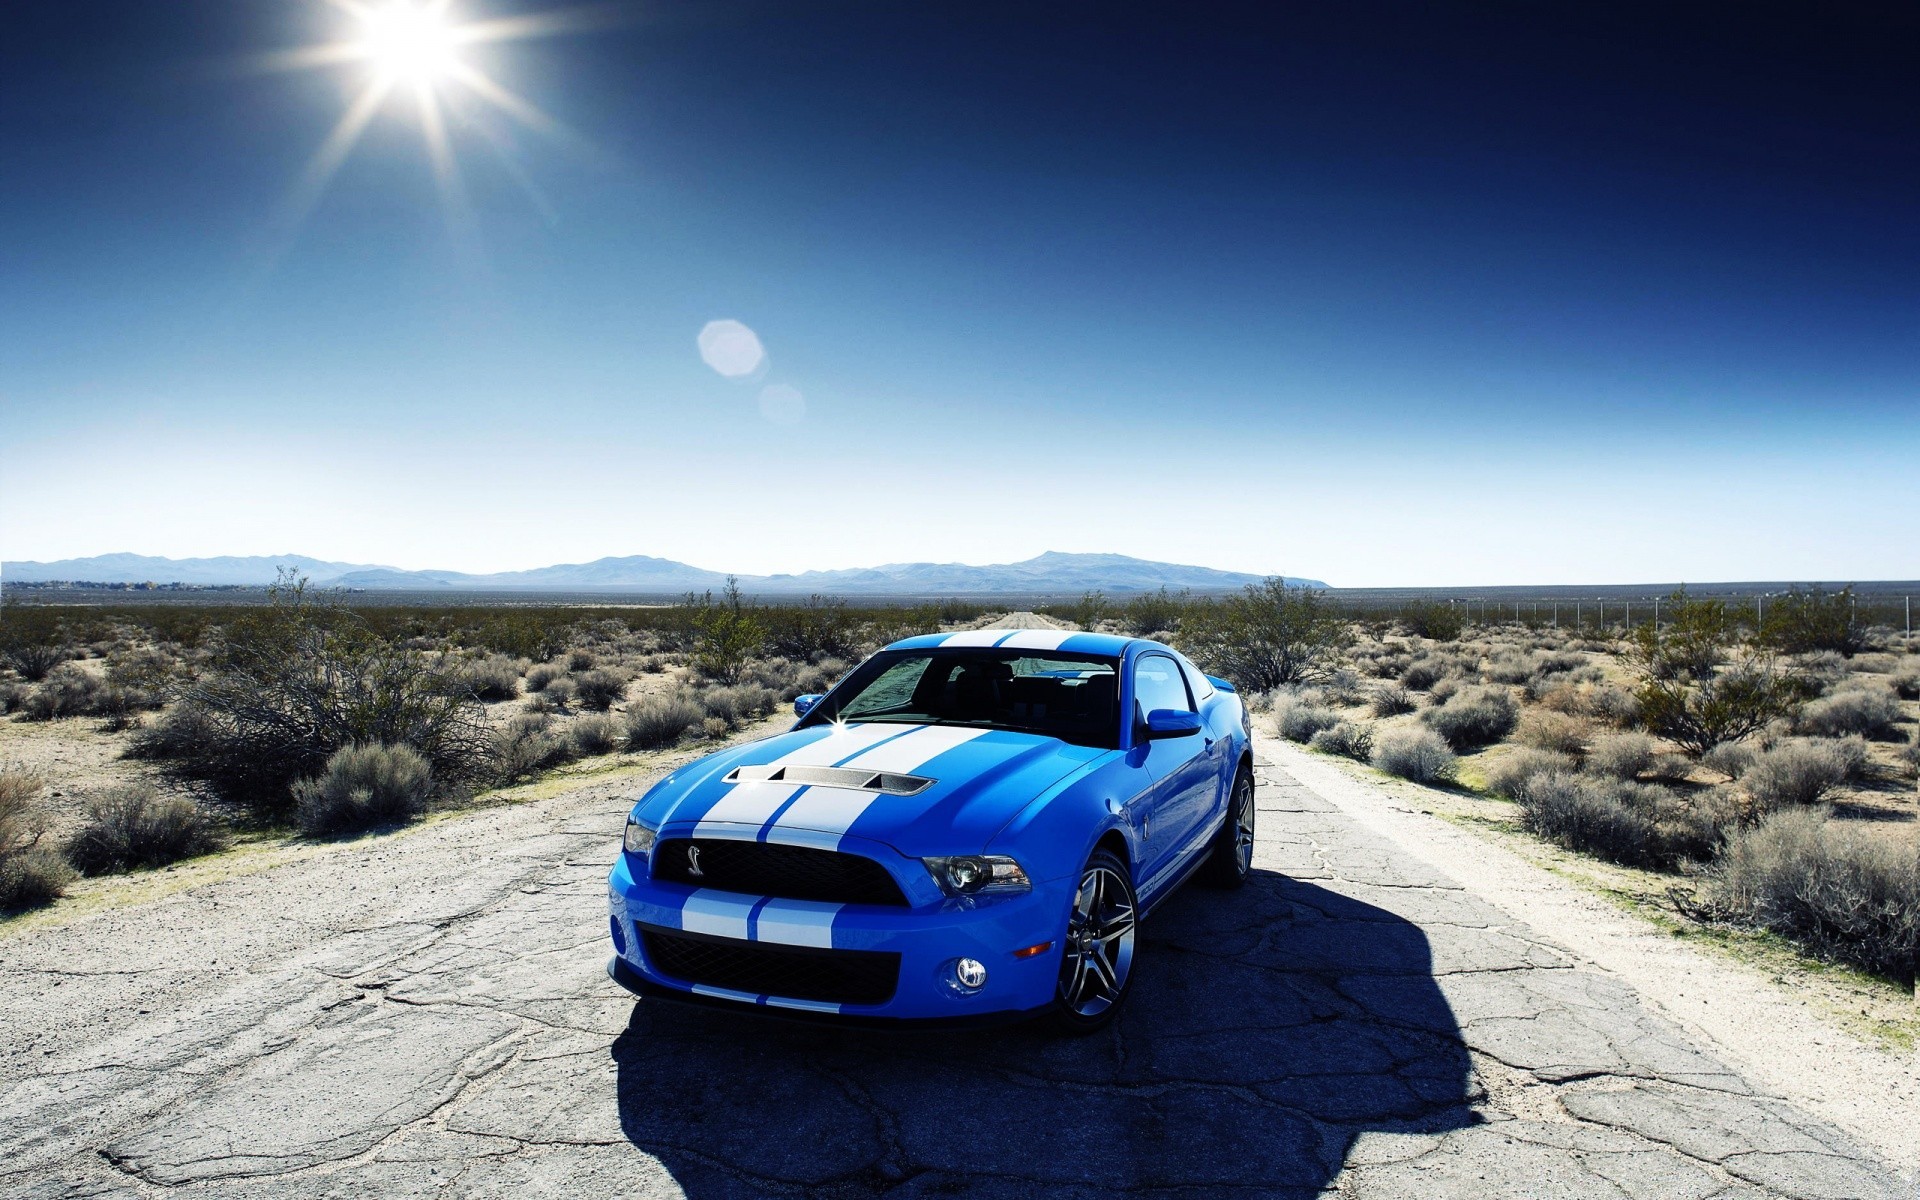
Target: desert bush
column 1635, row 824
column 1906, row 683
column 1342, row 688
column 661, row 720
column 1795, row 774
column 1732, row 759
column 495, row 677
column 145, row 670
column 1153, row 612
column 1297, row 718
column 67, row 691
column 540, row 675
column 131, row 827
column 1871, row 711
column 1392, row 700
column 726, row 634
column 1268, row 636
column 740, row 704
column 363, row 786
column 1348, row 739
column 715, row 728
column 579, row 660
column 1621, row 755
column 1514, row 775
column 595, row 735
column 12, row 696
column 1414, row 753
column 1910, row 753
column 1474, row 717
column 553, row 698
column 31, row 874
column 821, row 625
column 527, row 743
column 1558, row 732
column 1614, row 704
column 1422, row 675
column 32, row 641
column 1732, row 703
column 1441, row 622
column 599, row 690
column 1807, row 619
column 298, row 680
column 1840, row 892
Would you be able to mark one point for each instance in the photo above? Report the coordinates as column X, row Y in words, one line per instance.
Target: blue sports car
column 967, row 828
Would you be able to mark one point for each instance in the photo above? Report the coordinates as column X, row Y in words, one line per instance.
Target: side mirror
column 802, row 705
column 1171, row 723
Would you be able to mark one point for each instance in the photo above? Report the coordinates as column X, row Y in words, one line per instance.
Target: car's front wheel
column 1096, row 968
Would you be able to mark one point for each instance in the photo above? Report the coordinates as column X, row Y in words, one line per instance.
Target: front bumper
column 927, row 938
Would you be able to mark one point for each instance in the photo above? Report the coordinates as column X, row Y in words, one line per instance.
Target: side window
column 1157, row 683
column 1198, row 682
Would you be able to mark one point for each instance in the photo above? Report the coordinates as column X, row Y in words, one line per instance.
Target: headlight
column 638, row 839
column 978, row 875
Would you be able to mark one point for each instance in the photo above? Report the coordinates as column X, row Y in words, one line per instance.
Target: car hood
column 979, row 779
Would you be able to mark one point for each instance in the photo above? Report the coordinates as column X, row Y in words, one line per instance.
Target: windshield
column 1072, row 697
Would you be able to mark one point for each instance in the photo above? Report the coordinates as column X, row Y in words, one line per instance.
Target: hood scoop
column 890, row 782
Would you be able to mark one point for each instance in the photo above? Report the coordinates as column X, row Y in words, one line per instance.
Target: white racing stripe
column 722, row 914
column 796, row 923
column 822, row 815
column 972, row 637
column 1038, row 639
column 753, row 803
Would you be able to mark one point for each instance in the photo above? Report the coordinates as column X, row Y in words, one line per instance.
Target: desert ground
column 1436, row 984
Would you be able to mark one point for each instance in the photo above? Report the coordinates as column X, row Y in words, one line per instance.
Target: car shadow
column 1267, row 1029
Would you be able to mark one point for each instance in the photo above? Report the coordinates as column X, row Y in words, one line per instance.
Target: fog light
column 971, row 972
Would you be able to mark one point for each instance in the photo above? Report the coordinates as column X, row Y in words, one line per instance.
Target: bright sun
column 408, row 42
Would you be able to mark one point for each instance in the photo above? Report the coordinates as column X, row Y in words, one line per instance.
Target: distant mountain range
column 1049, row 573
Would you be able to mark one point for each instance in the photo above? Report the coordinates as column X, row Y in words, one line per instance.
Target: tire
column 1096, row 960
column 1231, row 859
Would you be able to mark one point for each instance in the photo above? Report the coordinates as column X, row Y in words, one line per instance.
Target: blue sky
column 1380, row 294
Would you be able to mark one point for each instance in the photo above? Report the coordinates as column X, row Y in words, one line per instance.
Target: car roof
column 1064, row 641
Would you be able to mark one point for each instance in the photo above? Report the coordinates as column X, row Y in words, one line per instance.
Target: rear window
column 1072, row 697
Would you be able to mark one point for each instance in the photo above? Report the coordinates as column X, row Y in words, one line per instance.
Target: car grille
column 786, row 872
column 795, row 972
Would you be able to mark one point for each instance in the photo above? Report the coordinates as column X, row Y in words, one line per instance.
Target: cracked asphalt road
column 428, row 1015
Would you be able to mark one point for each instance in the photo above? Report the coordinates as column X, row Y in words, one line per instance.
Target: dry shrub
column 364, row 786
column 1732, row 759
column 1906, row 683
column 1422, row 675
column 493, row 678
column 1841, row 892
column 540, row 675
column 1565, row 698
column 1514, row 776
column 1347, row 739
column 599, row 690
column 1476, row 716
column 131, row 827
column 528, row 743
column 1414, row 753
column 1555, row 731
column 30, row 874
column 12, row 696
column 1614, row 704
column 1621, row 755
column 1796, row 773
column 68, row 691
column 1392, row 700
column 1871, row 711
column 1635, row 824
column 1298, row 718
column 579, row 660
column 715, row 728
column 661, row 721
column 738, row 704
column 1671, row 768
column 595, row 735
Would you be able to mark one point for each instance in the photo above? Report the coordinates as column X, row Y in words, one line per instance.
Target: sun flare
column 410, row 43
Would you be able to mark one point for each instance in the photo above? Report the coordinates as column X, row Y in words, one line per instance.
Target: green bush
column 1807, row 619
column 1414, row 753
column 131, row 827
column 599, row 690
column 1430, row 619
column 1348, row 739
column 1154, row 612
column 1635, row 824
column 31, row 874
column 1726, row 705
column 820, row 626
column 33, row 641
column 1843, row 893
column 726, row 634
column 1474, row 717
column 1268, row 636
column 364, row 786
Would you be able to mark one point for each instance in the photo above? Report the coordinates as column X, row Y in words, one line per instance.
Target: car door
column 1182, row 787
